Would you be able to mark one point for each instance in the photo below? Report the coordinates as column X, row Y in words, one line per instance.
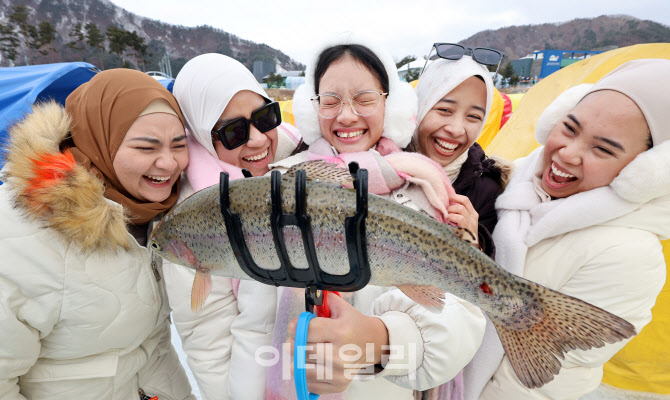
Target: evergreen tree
column 119, row 39
column 139, row 46
column 95, row 38
column 9, row 42
column 405, row 60
column 19, row 19
column 44, row 40
column 78, row 38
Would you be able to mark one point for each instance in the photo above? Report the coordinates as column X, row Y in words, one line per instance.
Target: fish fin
column 568, row 324
column 322, row 171
column 430, row 297
column 464, row 234
column 202, row 285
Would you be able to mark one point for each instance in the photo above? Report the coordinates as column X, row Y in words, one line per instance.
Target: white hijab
column 439, row 79
column 203, row 89
column 524, row 220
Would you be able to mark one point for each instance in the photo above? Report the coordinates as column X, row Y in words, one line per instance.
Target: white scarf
column 453, row 169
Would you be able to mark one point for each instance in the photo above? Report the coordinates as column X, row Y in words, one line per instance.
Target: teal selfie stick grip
column 300, row 358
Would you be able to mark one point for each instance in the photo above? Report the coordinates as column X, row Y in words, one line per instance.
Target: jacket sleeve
column 624, row 280
column 205, row 335
column 30, row 303
column 163, row 374
column 21, row 342
column 252, row 331
column 428, row 349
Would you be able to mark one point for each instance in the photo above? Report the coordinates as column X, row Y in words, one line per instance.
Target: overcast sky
column 402, row 26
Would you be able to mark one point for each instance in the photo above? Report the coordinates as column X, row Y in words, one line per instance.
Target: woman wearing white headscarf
column 214, row 90
column 584, row 215
column 454, row 103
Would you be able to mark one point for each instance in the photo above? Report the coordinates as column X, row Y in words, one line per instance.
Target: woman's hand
column 463, row 215
column 337, row 347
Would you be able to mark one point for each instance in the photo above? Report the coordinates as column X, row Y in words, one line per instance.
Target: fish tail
column 202, row 285
column 568, row 324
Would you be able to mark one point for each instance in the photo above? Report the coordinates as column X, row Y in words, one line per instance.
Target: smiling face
column 151, row 157
column 452, row 125
column 259, row 151
column 348, row 132
column 590, row 146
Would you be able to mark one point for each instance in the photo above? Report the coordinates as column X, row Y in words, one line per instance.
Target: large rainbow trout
column 407, row 249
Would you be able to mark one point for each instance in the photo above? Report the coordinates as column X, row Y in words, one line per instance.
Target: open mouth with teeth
column 558, row 177
column 156, row 180
column 350, row 135
column 444, row 147
column 257, row 157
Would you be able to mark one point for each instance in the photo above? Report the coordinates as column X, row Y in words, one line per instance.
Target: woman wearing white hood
column 231, row 124
column 584, row 215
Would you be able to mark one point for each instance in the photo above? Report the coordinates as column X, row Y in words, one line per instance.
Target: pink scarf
column 203, row 169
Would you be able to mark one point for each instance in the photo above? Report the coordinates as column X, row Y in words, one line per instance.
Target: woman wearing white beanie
column 584, row 215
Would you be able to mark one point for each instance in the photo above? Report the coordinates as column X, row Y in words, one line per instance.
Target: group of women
column 85, row 305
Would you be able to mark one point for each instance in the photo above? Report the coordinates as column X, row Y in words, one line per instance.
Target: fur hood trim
column 49, row 187
column 401, row 102
column 643, row 179
column 506, row 169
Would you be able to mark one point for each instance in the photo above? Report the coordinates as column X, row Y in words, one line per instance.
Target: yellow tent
column 644, row 364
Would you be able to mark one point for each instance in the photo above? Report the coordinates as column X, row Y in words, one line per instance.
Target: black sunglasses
column 452, row 51
column 235, row 133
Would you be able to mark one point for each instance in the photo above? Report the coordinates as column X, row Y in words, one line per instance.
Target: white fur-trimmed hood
column 401, row 102
column 646, row 177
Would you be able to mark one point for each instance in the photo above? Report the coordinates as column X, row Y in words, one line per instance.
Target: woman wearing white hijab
column 584, row 215
column 215, row 91
column 454, row 103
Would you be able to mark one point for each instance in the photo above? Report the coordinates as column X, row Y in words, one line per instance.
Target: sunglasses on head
column 452, row 51
column 235, row 133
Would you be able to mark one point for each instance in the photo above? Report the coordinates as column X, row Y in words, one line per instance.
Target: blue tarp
column 21, row 87
column 167, row 82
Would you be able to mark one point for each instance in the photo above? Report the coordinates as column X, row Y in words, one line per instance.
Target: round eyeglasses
column 362, row 103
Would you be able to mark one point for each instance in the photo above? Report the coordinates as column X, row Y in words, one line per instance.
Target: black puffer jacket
column 482, row 180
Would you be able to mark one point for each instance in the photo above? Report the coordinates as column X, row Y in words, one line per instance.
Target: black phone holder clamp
column 313, row 279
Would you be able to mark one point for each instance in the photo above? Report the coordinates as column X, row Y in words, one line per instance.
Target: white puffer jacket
column 83, row 310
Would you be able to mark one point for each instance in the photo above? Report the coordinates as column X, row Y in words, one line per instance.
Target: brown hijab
column 102, row 111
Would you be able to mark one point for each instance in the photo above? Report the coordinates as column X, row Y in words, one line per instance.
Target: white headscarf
column 400, row 112
column 442, row 76
column 439, row 79
column 203, row 89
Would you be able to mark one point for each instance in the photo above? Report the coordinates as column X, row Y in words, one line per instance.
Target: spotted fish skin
column 405, row 248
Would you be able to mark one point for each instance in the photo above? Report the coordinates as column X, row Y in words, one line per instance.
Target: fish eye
column 155, row 246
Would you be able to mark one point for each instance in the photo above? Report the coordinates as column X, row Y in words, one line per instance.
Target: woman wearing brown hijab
column 83, row 309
